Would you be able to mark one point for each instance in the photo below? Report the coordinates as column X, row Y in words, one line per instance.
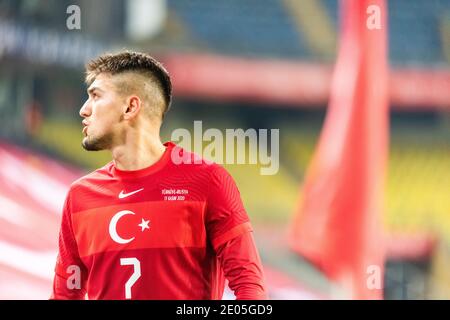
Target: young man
column 145, row 226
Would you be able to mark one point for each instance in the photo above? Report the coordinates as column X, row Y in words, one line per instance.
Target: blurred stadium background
column 235, row 64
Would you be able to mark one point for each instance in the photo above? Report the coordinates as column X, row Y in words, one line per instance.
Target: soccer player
column 147, row 225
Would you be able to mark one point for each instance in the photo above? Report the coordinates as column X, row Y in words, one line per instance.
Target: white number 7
column 136, row 274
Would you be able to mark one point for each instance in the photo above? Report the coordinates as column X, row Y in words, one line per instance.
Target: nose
column 85, row 110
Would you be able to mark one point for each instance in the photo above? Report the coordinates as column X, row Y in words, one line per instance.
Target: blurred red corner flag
column 338, row 223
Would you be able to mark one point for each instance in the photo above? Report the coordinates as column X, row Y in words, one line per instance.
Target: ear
column 133, row 106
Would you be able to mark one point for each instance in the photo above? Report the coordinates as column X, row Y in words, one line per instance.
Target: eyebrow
column 92, row 89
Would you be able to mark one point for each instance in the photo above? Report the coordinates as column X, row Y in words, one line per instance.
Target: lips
column 85, row 125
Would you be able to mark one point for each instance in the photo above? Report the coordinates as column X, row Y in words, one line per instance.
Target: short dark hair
column 127, row 61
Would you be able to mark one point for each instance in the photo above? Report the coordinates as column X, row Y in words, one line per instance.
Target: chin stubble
column 97, row 144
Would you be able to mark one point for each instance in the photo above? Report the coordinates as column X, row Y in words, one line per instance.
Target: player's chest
column 135, row 217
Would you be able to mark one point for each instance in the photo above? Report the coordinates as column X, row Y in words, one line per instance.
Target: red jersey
column 169, row 231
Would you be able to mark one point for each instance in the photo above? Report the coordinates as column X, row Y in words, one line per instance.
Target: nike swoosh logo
column 124, row 195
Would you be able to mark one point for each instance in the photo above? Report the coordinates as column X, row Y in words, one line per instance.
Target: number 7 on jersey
column 134, row 277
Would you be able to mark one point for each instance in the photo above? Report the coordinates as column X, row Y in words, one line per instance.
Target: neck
column 140, row 149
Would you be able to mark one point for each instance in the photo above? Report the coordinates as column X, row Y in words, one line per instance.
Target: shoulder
column 91, row 179
column 192, row 162
column 191, row 169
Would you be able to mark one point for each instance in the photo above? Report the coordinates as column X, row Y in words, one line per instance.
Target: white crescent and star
column 113, row 226
column 144, row 224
